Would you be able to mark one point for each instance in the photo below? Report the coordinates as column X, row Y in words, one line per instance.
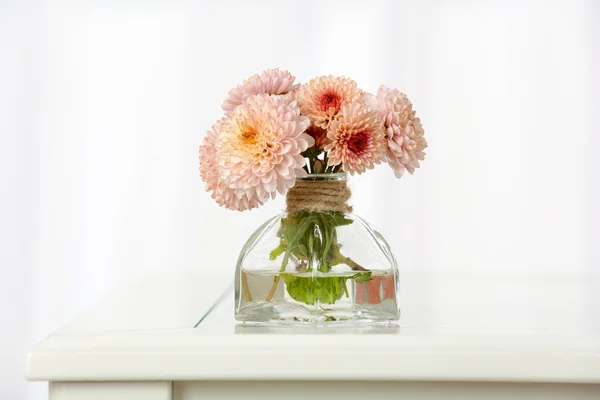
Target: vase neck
column 337, row 177
column 320, row 193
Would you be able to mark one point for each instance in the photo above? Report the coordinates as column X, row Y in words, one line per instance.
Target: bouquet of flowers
column 275, row 131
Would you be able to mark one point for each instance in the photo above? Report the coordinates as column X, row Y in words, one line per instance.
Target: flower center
column 329, row 100
column 249, row 136
column 358, row 142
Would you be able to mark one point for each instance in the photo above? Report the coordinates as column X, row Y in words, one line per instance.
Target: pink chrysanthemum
column 319, row 135
column 271, row 81
column 322, row 98
column 357, row 139
column 259, row 149
column 223, row 195
column 404, row 131
column 207, row 155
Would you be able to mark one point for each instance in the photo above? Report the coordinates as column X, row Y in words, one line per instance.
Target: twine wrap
column 319, row 196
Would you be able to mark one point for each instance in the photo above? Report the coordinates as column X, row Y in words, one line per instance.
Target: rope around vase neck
column 321, row 196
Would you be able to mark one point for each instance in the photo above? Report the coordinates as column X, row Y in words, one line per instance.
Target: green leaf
column 338, row 219
column 311, row 153
column 301, row 252
column 294, row 231
column 309, row 290
column 362, row 277
column 277, row 252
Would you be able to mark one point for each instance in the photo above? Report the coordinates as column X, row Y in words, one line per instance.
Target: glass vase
column 312, row 264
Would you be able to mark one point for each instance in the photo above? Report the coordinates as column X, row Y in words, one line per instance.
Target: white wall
column 103, row 105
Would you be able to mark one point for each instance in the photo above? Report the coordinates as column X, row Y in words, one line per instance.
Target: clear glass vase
column 311, row 266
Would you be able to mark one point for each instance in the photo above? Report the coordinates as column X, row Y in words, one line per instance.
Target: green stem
column 314, row 162
column 303, row 226
column 342, row 259
column 309, row 251
column 284, row 263
column 273, row 288
column 327, row 246
column 349, row 262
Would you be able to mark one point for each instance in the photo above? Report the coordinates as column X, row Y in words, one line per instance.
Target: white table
column 459, row 338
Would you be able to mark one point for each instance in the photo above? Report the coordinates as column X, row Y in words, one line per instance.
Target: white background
column 103, row 106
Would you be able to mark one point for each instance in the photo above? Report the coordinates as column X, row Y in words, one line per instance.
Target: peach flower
column 322, row 98
column 271, row 81
column 404, row 131
column 357, row 139
column 223, row 195
column 259, row 149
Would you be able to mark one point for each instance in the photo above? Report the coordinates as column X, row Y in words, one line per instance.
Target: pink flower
column 223, row 195
column 271, row 81
column 206, row 153
column 322, row 98
column 404, row 132
column 357, row 140
column 259, row 149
